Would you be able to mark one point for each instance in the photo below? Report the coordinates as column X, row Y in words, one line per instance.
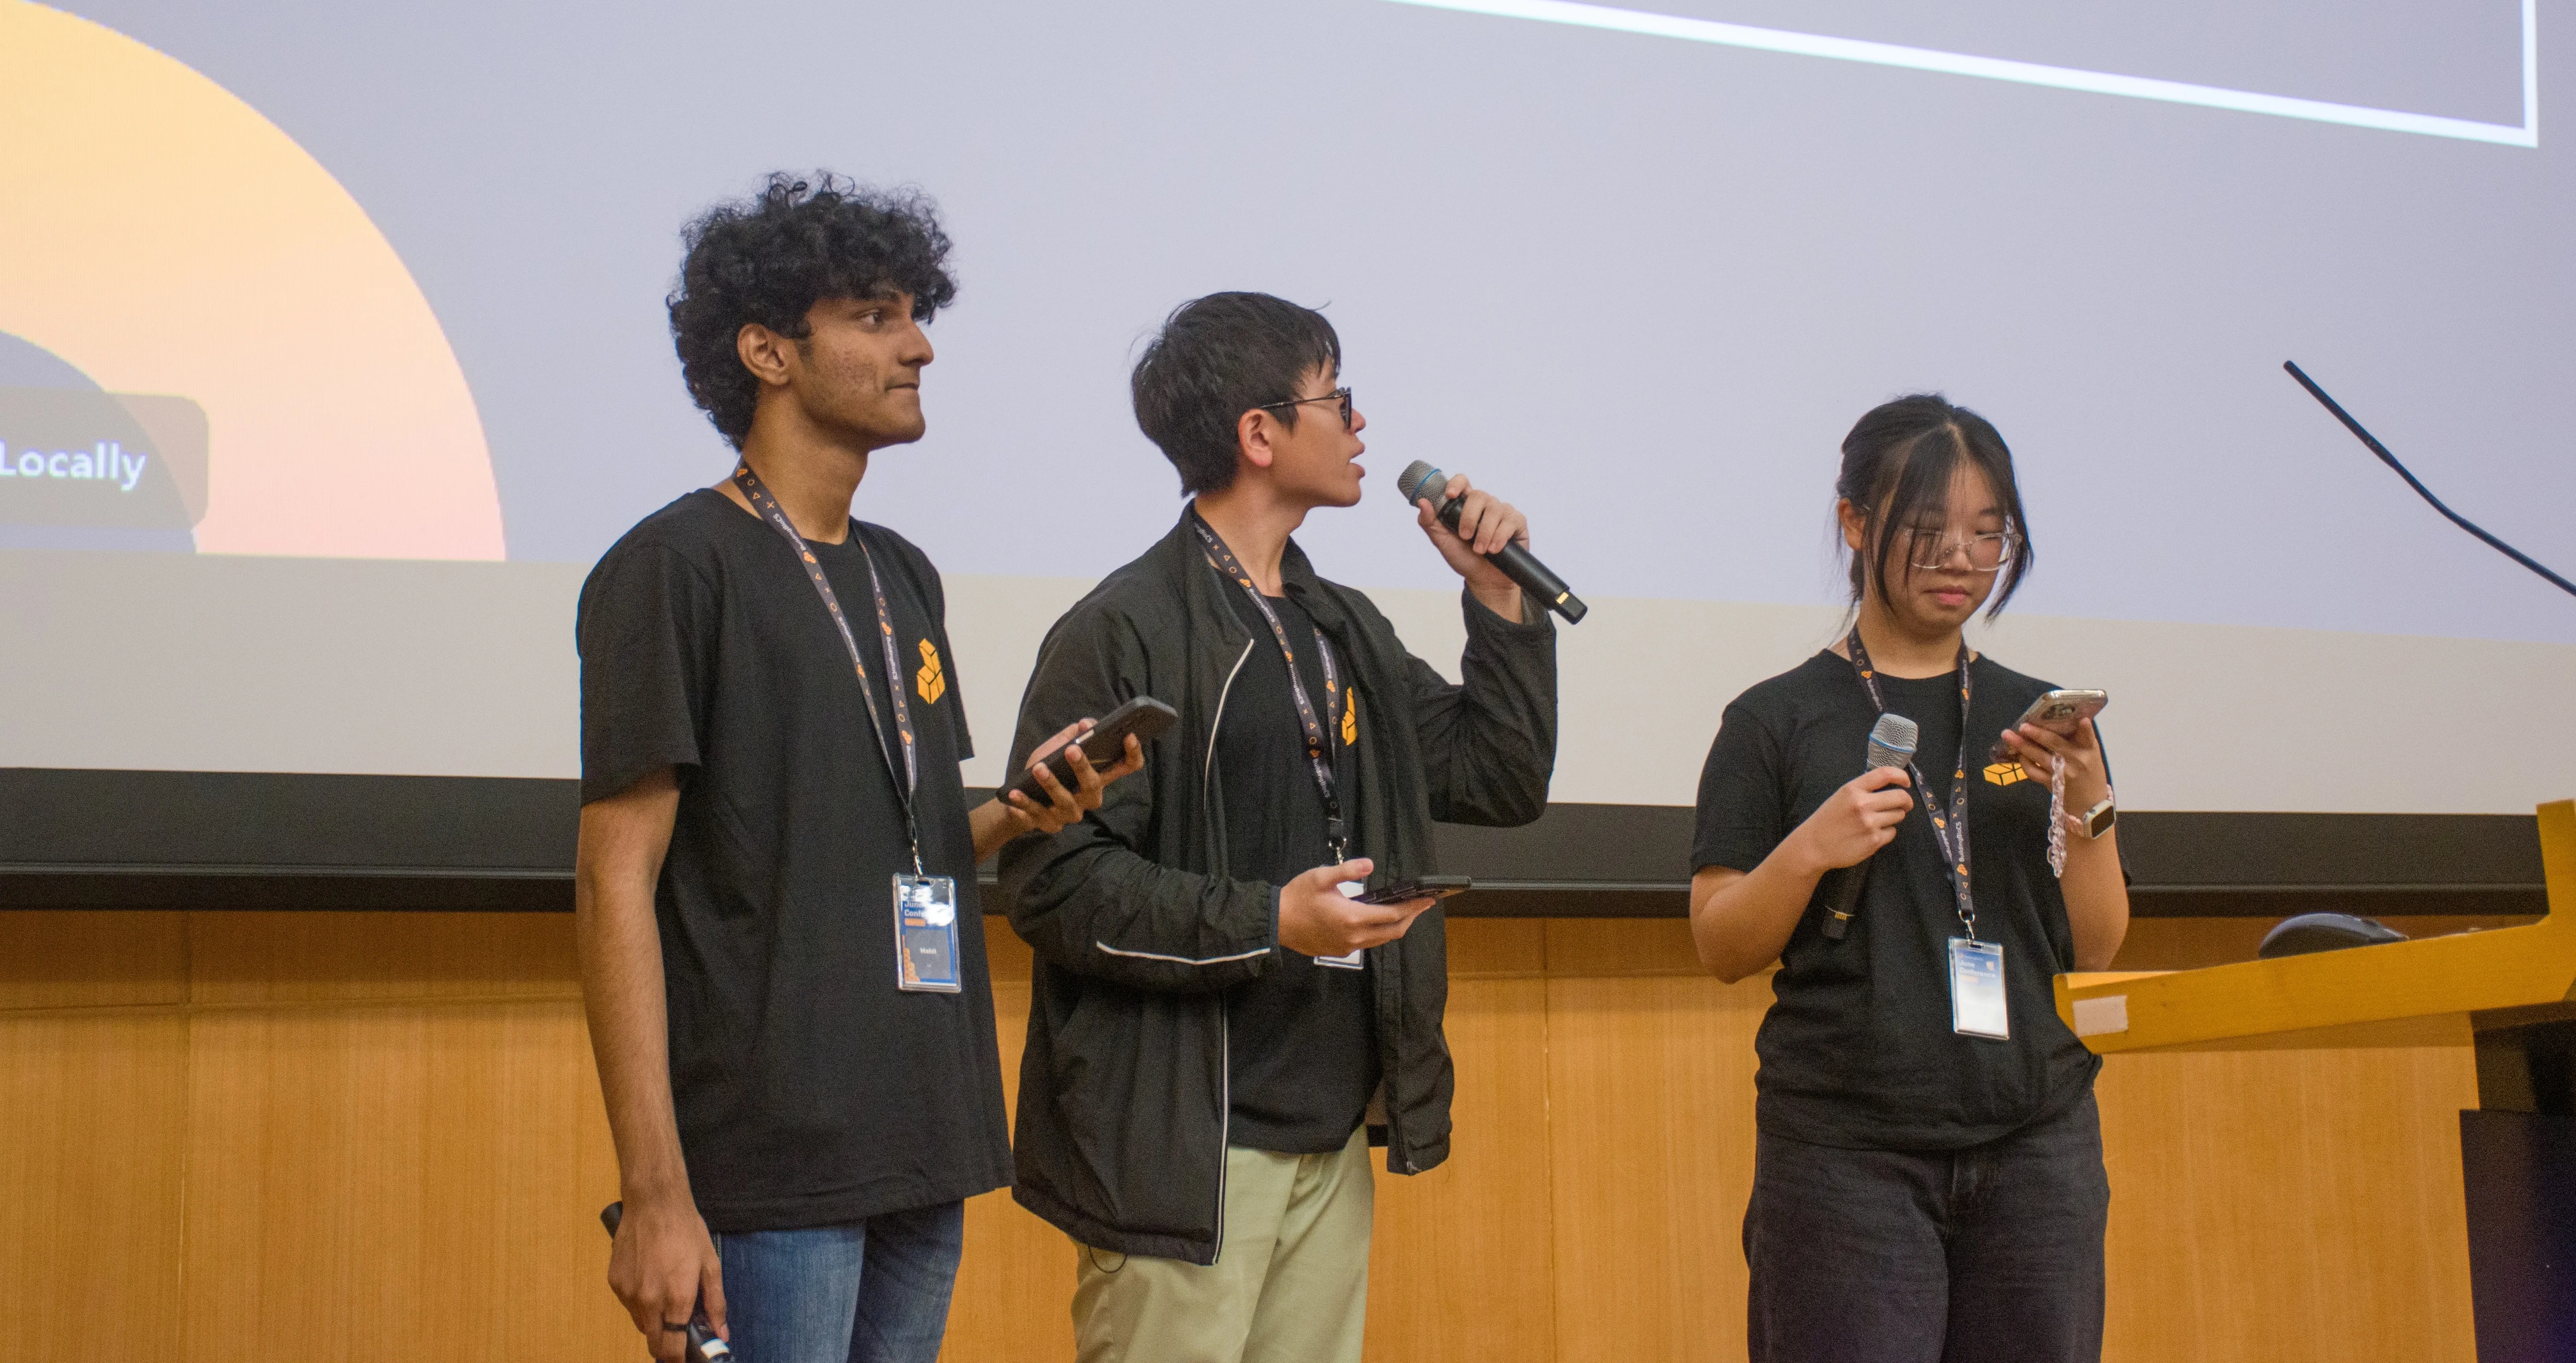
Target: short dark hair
column 1897, row 464
column 1215, row 359
column 770, row 258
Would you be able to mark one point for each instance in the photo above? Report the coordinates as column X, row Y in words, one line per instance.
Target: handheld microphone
column 1891, row 744
column 1420, row 480
column 705, row 1345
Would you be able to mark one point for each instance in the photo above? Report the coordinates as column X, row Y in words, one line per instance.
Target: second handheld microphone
column 1420, row 480
column 1891, row 744
column 705, row 1345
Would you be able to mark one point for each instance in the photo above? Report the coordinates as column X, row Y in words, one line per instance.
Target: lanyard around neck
column 907, row 772
column 1318, row 745
column 1951, row 832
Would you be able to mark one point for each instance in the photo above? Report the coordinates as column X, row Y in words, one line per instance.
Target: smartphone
column 1144, row 717
column 1419, row 887
column 2058, row 711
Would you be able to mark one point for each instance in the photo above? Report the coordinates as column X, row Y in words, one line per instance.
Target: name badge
column 925, row 934
column 1351, row 889
column 1977, row 989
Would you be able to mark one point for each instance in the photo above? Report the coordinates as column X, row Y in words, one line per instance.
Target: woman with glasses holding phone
column 1928, row 1178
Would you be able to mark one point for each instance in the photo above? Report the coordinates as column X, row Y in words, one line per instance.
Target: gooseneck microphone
column 1891, row 744
column 2372, row 442
column 1420, row 480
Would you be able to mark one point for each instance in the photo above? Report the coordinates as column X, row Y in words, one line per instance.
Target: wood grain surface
column 333, row 1136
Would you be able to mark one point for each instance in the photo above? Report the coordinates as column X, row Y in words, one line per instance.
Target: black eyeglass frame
column 1343, row 395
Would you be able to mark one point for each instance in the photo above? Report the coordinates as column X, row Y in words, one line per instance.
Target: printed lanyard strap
column 1950, row 833
column 1319, row 752
column 908, row 771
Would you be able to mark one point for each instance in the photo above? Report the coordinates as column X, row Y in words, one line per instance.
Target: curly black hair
column 769, row 259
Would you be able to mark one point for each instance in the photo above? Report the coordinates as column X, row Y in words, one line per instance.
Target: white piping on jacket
column 1179, row 960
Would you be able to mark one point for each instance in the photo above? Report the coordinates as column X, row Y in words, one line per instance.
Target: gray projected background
column 1639, row 281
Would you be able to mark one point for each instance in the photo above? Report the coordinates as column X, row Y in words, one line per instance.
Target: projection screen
column 333, row 351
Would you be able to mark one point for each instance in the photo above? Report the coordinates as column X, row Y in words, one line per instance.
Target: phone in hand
column 2057, row 711
column 1144, row 716
column 1417, row 887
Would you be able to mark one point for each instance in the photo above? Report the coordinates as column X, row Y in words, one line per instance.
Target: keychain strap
column 1319, row 752
column 1950, row 832
column 907, row 771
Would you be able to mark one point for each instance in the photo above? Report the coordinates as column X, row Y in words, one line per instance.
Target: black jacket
column 1138, row 930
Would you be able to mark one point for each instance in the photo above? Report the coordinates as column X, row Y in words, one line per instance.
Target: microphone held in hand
column 1891, row 744
column 1420, row 480
column 705, row 1345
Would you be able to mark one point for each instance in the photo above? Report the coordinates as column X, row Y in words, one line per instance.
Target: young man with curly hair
column 1217, row 1023
column 781, row 946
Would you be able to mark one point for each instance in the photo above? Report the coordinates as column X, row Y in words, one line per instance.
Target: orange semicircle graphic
column 164, row 237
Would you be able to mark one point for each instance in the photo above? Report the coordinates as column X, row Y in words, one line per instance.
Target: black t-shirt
column 1301, row 1038
column 1858, row 1050
column 810, row 1090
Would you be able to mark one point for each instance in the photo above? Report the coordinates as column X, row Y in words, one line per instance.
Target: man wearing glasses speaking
column 1219, row 1027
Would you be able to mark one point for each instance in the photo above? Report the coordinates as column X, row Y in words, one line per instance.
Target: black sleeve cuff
column 1481, row 617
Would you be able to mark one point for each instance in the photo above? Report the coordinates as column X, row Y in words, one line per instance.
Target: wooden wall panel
column 1610, row 948
column 1014, row 1296
column 240, row 958
column 1461, row 1258
column 1650, row 1088
column 91, row 1116
column 2270, row 1205
column 292, row 1136
column 52, row 958
column 1496, row 948
column 395, row 1181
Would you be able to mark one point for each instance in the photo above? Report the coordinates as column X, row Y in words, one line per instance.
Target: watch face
column 2100, row 820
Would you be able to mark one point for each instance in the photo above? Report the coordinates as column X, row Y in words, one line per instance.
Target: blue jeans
column 873, row 1291
column 1956, row 1256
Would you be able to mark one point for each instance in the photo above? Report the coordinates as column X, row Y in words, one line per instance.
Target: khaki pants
column 1289, row 1285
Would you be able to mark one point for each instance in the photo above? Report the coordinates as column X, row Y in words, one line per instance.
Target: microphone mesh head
column 1892, row 739
column 1420, row 480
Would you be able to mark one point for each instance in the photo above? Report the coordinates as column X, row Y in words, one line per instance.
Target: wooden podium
column 2284, row 1134
column 2429, row 992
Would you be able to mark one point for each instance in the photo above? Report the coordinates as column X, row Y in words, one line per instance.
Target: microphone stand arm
column 2422, row 491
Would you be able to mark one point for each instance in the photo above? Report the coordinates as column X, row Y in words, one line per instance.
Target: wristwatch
column 2097, row 821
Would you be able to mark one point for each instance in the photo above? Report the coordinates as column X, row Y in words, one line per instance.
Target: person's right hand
column 1317, row 919
column 663, row 1267
column 1857, row 820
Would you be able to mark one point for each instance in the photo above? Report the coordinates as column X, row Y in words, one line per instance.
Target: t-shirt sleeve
column 645, row 639
column 1743, row 796
column 937, row 592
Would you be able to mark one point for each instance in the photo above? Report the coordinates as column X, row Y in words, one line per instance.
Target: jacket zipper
column 1224, row 1024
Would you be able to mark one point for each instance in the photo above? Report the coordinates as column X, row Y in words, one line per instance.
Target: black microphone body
column 1846, row 900
column 1420, row 480
column 1891, row 744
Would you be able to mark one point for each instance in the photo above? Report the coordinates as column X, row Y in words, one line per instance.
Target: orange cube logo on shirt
column 930, row 681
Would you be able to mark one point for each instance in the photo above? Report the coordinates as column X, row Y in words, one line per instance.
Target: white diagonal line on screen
column 2526, row 134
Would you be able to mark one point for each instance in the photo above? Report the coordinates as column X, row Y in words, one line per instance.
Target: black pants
column 1963, row 1256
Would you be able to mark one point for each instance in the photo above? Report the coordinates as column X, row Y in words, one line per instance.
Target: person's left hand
column 1485, row 524
column 2086, row 780
column 1066, row 807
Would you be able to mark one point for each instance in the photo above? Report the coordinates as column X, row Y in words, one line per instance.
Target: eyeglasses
column 1340, row 395
column 1986, row 553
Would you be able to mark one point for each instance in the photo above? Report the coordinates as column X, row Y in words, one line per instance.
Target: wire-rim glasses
column 1986, row 553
